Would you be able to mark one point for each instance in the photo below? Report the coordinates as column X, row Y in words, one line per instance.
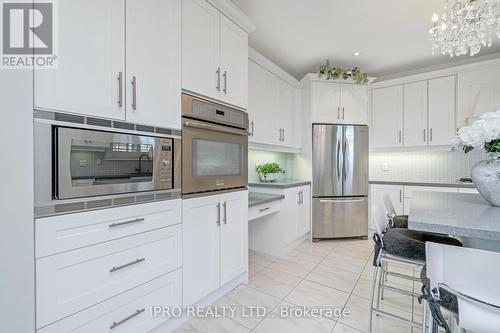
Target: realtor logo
column 28, row 34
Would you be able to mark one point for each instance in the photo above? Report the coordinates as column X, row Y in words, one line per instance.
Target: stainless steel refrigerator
column 340, row 181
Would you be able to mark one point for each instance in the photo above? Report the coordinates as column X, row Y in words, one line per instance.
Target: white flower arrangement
column 483, row 133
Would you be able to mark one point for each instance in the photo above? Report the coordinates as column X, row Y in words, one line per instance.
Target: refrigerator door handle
column 341, row 200
column 338, row 159
column 346, row 159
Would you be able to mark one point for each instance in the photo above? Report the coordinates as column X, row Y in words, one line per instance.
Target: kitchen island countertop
column 287, row 183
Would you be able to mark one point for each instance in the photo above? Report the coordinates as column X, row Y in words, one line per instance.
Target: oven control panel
column 166, row 163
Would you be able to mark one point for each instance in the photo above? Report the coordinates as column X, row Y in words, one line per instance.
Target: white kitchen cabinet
column 441, row 111
column 478, row 92
column 233, row 236
column 75, row 280
column 153, row 49
column 408, row 191
column 395, row 192
column 415, row 114
column 214, row 242
column 295, row 211
column 90, row 60
column 200, row 48
column 234, row 58
column 339, row 103
column 214, row 54
column 201, row 247
column 354, row 104
column 387, row 117
column 304, row 211
column 468, row 190
column 273, row 107
column 93, row 78
column 325, row 102
column 128, row 312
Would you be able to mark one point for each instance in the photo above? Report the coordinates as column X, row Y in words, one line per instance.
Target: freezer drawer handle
column 340, row 200
column 118, row 323
column 135, row 262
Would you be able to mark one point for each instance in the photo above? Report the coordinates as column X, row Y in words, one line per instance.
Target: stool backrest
column 379, row 219
column 473, row 274
column 389, row 207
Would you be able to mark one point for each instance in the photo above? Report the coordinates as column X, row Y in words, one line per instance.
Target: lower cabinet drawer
column 263, row 210
column 130, row 312
column 57, row 234
column 72, row 281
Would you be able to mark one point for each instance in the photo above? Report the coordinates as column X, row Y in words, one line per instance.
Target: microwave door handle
column 211, row 127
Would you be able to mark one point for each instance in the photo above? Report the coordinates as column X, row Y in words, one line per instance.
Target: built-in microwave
column 79, row 160
column 215, row 147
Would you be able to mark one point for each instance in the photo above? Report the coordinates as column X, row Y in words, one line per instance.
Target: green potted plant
column 269, row 172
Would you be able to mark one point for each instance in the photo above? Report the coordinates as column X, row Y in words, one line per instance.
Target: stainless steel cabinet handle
column 424, row 135
column 218, row 79
column 218, row 214
column 134, row 93
column 430, row 134
column 283, row 134
column 264, row 209
column 298, row 198
column 225, row 82
column 251, row 126
column 225, row 212
column 343, row 113
column 338, row 112
column 401, row 196
column 399, row 136
column 135, row 262
column 118, row 323
column 120, row 89
column 114, row 225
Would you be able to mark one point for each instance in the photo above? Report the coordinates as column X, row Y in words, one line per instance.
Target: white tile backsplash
column 423, row 166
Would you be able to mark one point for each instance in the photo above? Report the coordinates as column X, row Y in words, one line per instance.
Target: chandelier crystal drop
column 465, row 26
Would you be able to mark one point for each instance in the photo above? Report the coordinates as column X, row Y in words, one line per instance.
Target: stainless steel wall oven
column 75, row 161
column 215, row 146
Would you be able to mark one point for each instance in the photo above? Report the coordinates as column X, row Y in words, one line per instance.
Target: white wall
column 17, row 285
column 424, row 166
column 256, row 157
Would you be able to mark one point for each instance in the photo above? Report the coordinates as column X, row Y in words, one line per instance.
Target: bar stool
column 397, row 221
column 472, row 276
column 402, row 246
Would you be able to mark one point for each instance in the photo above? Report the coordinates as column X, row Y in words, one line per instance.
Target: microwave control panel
column 166, row 163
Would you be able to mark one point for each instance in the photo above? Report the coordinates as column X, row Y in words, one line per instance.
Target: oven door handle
column 212, row 127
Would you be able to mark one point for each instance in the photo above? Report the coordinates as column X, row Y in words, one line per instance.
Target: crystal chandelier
column 465, row 26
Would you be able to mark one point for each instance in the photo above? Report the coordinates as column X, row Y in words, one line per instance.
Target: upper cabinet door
column 234, row 59
column 285, row 112
column 478, row 93
column 90, row 60
column 325, row 100
column 201, row 72
column 153, row 62
column 233, row 235
column 257, row 103
column 387, row 117
column 354, row 104
column 441, row 111
column 415, row 114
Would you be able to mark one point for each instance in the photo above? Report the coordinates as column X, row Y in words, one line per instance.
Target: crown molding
column 234, row 13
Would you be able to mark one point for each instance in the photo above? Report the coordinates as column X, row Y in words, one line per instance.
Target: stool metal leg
column 380, row 284
column 372, row 296
column 385, row 266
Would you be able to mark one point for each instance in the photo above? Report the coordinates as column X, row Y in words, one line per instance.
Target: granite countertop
column 456, row 214
column 429, row 184
column 287, row 183
column 255, row 199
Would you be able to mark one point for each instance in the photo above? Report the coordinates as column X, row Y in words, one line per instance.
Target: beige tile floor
column 328, row 274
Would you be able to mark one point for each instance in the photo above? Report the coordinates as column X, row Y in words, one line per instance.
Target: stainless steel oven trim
column 65, row 189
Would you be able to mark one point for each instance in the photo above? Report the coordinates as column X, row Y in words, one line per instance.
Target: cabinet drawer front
column 125, row 311
column 263, row 210
column 63, row 233
column 72, row 281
